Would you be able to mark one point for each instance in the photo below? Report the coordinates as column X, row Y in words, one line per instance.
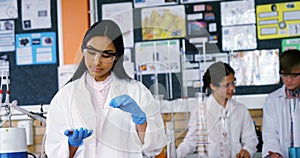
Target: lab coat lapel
column 117, row 88
column 114, row 118
column 84, row 105
column 213, row 112
column 231, row 106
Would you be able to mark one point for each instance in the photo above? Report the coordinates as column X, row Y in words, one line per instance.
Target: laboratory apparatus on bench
column 202, row 143
column 294, row 151
column 13, row 142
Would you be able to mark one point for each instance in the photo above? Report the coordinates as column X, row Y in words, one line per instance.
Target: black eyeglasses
column 287, row 75
column 228, row 85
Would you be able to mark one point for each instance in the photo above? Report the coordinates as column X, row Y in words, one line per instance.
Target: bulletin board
column 36, row 82
column 278, row 20
column 205, row 22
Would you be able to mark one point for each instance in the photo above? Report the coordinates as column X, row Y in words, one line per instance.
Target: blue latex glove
column 76, row 136
column 127, row 104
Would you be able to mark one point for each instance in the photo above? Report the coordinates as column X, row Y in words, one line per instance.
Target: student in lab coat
column 276, row 130
column 102, row 112
column 230, row 129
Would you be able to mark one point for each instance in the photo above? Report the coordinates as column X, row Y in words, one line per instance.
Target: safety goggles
column 289, row 75
column 106, row 56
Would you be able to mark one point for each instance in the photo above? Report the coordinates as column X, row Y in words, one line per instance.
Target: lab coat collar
column 279, row 93
column 215, row 108
column 282, row 91
column 118, row 87
column 231, row 106
column 84, row 103
column 213, row 105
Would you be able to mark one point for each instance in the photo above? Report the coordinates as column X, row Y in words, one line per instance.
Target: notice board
column 36, row 81
column 201, row 15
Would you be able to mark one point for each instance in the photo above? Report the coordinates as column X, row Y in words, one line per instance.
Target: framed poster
column 157, row 57
column 242, row 37
column 122, row 14
column 256, row 68
column 278, row 20
column 36, row 48
column 163, row 22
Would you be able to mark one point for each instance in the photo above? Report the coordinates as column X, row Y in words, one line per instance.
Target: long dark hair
column 215, row 74
column 111, row 30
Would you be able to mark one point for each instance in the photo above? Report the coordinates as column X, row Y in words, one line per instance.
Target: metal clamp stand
column 33, row 115
column 7, row 115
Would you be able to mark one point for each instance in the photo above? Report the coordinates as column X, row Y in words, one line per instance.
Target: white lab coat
column 242, row 131
column 114, row 134
column 276, row 124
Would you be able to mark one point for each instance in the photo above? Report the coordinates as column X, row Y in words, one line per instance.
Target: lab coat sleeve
column 56, row 144
column 155, row 137
column 269, row 131
column 249, row 137
column 189, row 143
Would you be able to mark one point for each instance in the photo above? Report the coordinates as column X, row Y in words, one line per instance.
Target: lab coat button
column 92, row 146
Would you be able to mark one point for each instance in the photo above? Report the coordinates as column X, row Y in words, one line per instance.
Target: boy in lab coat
column 276, row 129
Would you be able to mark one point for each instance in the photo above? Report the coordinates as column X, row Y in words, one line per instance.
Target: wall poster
column 163, row 22
column 278, row 20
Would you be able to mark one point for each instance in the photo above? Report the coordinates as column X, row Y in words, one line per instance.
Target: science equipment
column 13, row 143
column 171, row 148
column 294, row 152
column 202, row 143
